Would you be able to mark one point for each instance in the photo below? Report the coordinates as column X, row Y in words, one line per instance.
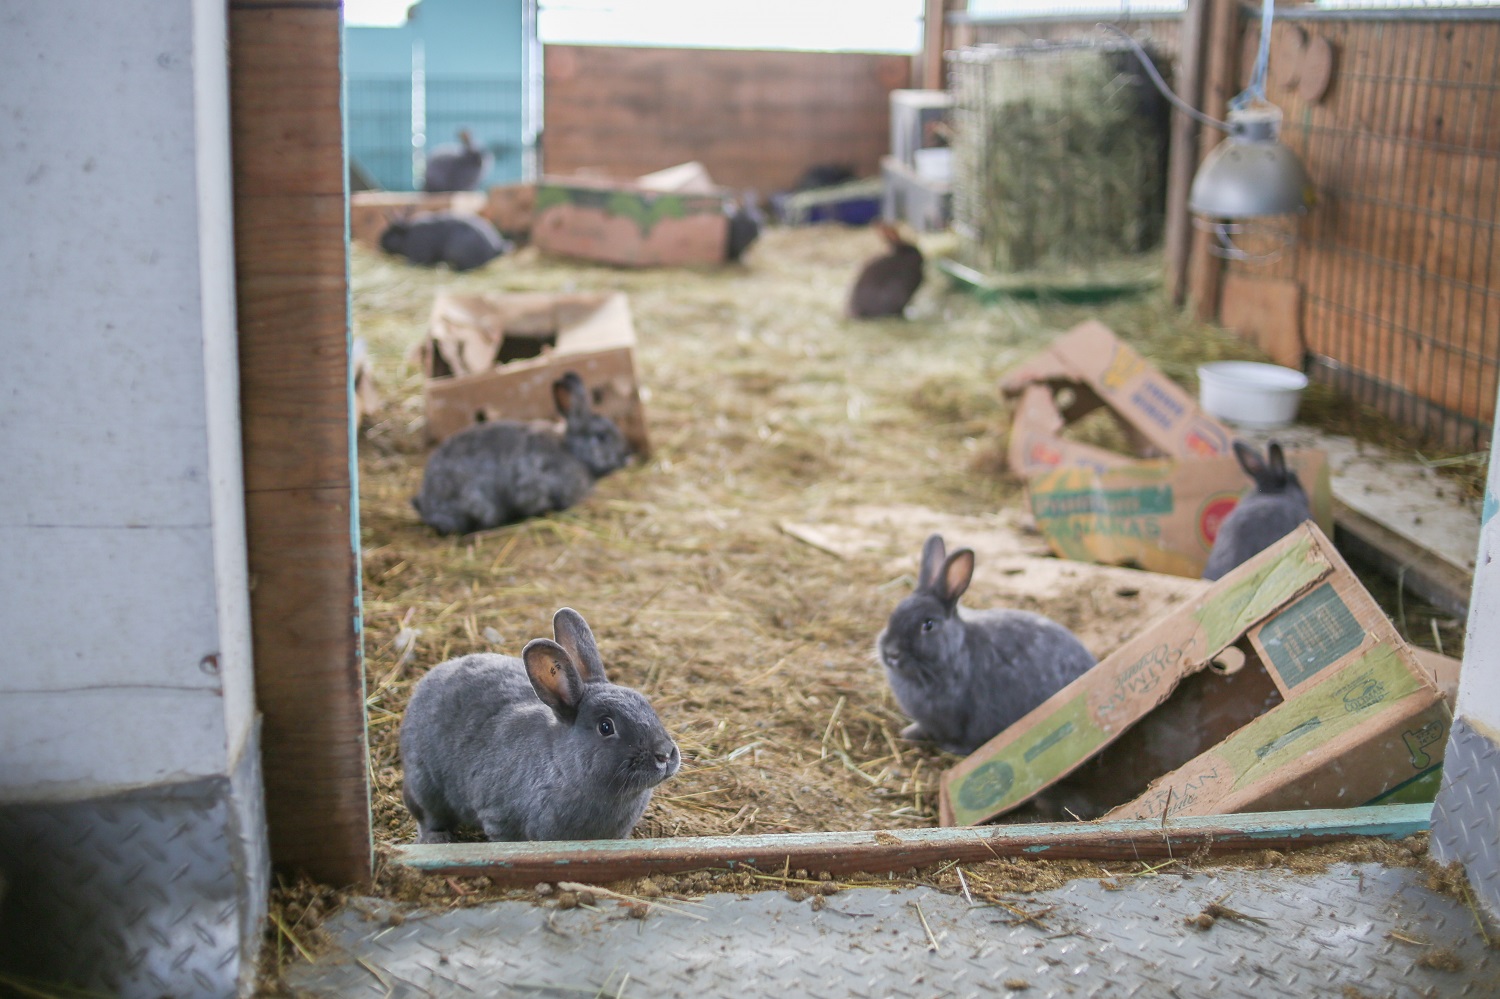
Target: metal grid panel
column 1466, row 815
column 1346, row 932
column 1398, row 261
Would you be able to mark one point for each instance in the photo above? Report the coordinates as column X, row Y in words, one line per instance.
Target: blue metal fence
column 382, row 136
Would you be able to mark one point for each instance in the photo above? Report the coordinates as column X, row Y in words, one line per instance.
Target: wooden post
column 1184, row 155
column 1220, row 73
column 292, row 290
column 933, row 32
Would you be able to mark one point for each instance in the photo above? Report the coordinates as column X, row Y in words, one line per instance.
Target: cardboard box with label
column 674, row 217
column 1281, row 686
column 1158, row 510
column 495, row 356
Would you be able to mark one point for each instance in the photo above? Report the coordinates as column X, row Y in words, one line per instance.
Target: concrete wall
column 126, row 678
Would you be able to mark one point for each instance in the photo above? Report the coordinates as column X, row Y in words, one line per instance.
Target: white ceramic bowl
column 1249, row 393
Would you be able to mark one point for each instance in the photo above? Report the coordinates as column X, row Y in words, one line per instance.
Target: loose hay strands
column 745, row 639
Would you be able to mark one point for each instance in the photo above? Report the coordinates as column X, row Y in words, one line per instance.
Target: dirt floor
column 713, row 573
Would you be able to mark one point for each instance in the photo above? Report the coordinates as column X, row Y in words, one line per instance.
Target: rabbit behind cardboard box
column 504, row 470
column 542, row 747
column 886, row 284
column 463, row 242
column 964, row 676
column 1269, row 511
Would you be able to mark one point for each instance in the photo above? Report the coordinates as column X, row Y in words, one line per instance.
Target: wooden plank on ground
column 837, row 853
column 292, row 292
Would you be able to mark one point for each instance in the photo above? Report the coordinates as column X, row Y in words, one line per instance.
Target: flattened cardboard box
column 630, row 223
column 1159, row 512
column 1282, row 685
column 495, row 356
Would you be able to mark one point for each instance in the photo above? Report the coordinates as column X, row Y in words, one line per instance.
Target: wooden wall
column 1397, row 264
column 290, row 264
column 754, row 119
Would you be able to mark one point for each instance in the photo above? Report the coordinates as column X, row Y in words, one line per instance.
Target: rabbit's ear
column 1276, row 458
column 1250, row 460
column 553, row 676
column 574, row 635
column 934, row 554
column 956, row 575
column 570, row 396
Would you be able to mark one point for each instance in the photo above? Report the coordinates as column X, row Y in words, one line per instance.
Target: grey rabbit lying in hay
column 463, row 242
column 964, row 676
column 502, row 471
column 1268, row 512
column 542, row 747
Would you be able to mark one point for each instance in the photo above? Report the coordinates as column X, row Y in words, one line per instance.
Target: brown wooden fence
column 1397, row 263
column 754, row 119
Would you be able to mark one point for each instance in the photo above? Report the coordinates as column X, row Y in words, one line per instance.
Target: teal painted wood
column 844, row 852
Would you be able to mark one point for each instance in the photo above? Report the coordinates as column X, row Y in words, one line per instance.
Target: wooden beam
column 934, row 31
column 1220, row 75
column 292, row 292
column 1183, row 160
column 897, row 850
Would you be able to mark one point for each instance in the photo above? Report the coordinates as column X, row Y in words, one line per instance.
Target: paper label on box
column 1068, row 735
column 1311, row 635
column 1361, row 690
column 1234, row 609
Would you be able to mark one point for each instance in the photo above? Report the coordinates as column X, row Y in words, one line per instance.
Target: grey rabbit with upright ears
column 501, row 471
column 1268, row 512
column 964, row 676
column 542, row 747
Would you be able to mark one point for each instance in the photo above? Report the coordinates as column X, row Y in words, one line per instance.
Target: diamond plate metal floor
column 1356, row 931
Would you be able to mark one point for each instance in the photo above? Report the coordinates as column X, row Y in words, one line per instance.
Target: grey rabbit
column 1268, row 512
column 457, row 168
column 964, row 676
column 542, row 747
column 886, row 284
column 501, row 471
column 463, row 242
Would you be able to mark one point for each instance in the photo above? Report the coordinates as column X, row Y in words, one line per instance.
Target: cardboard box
column 1281, row 686
column 674, row 217
column 371, row 211
column 1159, row 511
column 495, row 356
column 510, row 208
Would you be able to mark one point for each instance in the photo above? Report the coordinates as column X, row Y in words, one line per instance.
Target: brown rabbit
column 888, row 282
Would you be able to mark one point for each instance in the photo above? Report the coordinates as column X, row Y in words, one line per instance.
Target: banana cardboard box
column 674, row 217
column 1281, row 686
column 1159, row 509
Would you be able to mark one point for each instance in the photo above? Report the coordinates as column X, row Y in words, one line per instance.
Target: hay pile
column 1060, row 155
column 764, row 406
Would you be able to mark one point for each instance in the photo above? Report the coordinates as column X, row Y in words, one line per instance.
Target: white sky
column 836, row 25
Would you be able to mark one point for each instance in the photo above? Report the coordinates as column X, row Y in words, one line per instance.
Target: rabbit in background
column 463, row 242
column 886, row 284
column 541, row 747
column 504, row 470
column 1270, row 510
column 965, row 676
column 457, row 168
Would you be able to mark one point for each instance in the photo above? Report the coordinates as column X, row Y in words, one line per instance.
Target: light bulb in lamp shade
column 1251, row 174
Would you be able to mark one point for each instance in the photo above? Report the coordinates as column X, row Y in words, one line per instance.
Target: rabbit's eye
column 928, row 624
column 606, row 726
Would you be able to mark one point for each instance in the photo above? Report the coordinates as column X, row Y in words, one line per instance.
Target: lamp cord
column 1161, row 84
column 1257, row 88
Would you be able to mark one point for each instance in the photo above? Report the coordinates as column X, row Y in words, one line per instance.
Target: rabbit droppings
column 886, row 284
column 964, row 676
column 1269, row 511
column 542, row 747
column 502, row 471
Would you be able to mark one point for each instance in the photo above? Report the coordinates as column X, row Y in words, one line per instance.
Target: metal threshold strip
column 898, row 850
